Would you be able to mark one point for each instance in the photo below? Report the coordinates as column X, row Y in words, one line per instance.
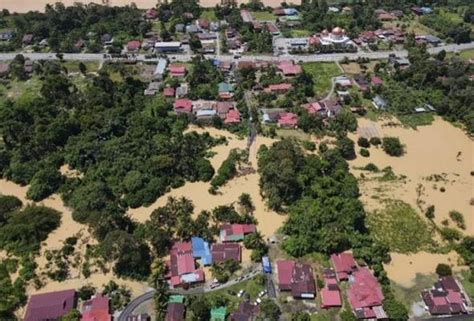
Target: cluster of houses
column 5, row 68
column 182, row 266
column 446, row 297
column 54, row 305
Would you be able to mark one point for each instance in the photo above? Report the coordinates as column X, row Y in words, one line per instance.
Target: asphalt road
column 148, row 296
column 304, row 58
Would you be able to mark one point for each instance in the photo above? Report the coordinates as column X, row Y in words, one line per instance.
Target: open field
column 296, row 33
column 209, row 14
column 263, row 16
column 73, row 66
column 439, row 155
column 354, row 68
column 322, row 73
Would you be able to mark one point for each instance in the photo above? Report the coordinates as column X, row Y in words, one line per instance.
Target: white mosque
column 337, row 36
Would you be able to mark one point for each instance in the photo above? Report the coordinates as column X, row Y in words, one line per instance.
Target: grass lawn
column 322, row 72
column 408, row 296
column 454, row 17
column 263, row 16
column 23, row 89
column 73, row 66
column 399, row 227
column 415, row 120
column 467, row 54
column 293, row 133
column 209, row 14
column 325, row 315
column 468, row 286
column 297, row 33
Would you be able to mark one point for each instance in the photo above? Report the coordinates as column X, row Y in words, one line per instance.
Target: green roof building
column 176, row 299
column 219, row 314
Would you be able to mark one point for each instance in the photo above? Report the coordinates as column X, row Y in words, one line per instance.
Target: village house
column 201, row 250
column 278, row 88
column 236, row 232
column 27, row 39
column 232, row 117
column 182, row 90
column 344, row 265
column 246, row 312
column 314, row 108
column 289, row 68
column 177, row 70
column 203, row 23
column 50, row 306
column 379, row 103
column 296, row 278
column 168, row 92
column 4, row 70
column 365, row 295
column 288, row 120
column 168, row 47
column 7, row 35
column 175, row 310
column 97, row 309
column 183, row 105
column 218, row 313
column 133, row 45
column 152, row 88
column 226, row 251
column 330, row 294
column 226, row 90
column 160, row 69
column 446, row 297
column 343, row 81
column 182, row 269
column 376, row 81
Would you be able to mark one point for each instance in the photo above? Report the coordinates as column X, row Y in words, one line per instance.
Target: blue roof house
column 201, row 250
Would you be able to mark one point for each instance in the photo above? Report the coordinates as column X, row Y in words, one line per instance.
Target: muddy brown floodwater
column 439, row 149
column 22, row 6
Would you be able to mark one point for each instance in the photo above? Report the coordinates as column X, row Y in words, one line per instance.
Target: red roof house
column 366, row 296
column 288, row 68
column 151, row 13
column 330, row 294
column 288, row 120
column 50, row 306
column 134, row 45
column 445, row 298
column 177, row 70
column 376, row 81
column 97, row 309
column 297, row 278
column 182, row 267
column 344, row 264
column 168, row 91
column 183, row 105
column 314, row 107
column 175, row 312
column 232, row 117
column 226, row 251
column 236, row 232
column 278, row 88
column 203, row 23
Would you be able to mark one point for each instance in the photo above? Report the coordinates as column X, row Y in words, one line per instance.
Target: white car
column 241, row 292
column 258, row 300
column 262, row 293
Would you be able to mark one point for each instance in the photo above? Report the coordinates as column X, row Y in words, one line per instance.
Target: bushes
column 375, row 141
column 363, row 142
column 450, row 234
column 227, row 170
column 346, row 148
column 458, row 218
column 430, row 212
column 371, row 167
column 392, row 146
column 364, row 152
column 443, row 270
column 8, row 204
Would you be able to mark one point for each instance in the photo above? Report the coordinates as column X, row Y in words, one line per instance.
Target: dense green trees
column 392, row 146
column 24, row 230
column 227, row 170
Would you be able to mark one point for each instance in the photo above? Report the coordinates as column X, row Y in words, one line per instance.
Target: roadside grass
column 16, row 89
column 355, row 68
column 209, row 14
column 297, row 33
column 322, row 72
column 415, row 120
column 399, row 227
column 408, row 296
column 454, row 17
column 73, row 65
column 263, row 16
column 325, row 315
column 463, row 277
column 467, row 54
column 292, row 133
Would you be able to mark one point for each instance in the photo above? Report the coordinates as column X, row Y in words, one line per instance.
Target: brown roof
column 226, row 251
column 50, row 306
column 175, row 312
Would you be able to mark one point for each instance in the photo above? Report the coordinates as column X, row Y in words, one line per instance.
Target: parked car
column 241, row 292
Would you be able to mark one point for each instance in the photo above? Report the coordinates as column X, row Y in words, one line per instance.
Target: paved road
column 148, row 296
column 304, row 58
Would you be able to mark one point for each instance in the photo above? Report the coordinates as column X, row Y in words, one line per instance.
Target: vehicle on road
column 262, row 293
column 241, row 292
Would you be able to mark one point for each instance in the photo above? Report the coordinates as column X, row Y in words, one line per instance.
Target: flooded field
column 21, row 6
column 438, row 157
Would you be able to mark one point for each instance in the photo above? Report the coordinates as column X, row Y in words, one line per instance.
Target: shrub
column 371, row 167
column 311, row 146
column 450, row 234
column 443, row 270
column 346, row 148
column 458, row 218
column 442, row 189
column 364, row 152
column 375, row 141
column 430, row 212
column 363, row 142
column 392, row 146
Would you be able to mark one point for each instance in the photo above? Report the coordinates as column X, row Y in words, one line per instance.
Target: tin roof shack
column 97, row 309
column 344, row 265
column 236, row 232
column 330, row 294
column 50, row 306
column 379, row 103
column 152, row 88
column 446, row 297
column 297, row 278
column 160, row 69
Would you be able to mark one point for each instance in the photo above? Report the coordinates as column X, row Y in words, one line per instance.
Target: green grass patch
column 408, row 296
column 454, row 17
column 73, row 66
column 468, row 286
column 263, row 16
column 399, row 227
column 292, row 133
column 209, row 14
column 467, row 54
column 322, row 72
column 297, row 33
column 415, row 120
column 325, row 315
